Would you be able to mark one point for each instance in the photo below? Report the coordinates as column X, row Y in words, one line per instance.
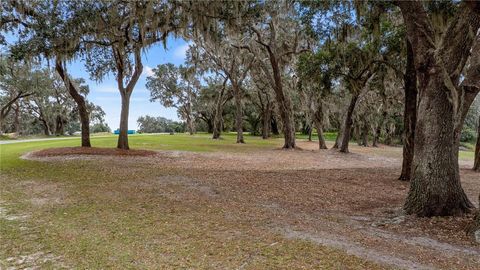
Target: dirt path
column 348, row 202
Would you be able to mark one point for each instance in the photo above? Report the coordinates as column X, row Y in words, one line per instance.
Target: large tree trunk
column 318, row 116
column 217, row 118
column 190, row 126
column 347, row 126
column 435, row 185
column 79, row 100
column 46, row 127
column 123, row 135
column 189, row 120
column 288, row 126
column 284, row 104
column 476, row 164
column 435, row 188
column 238, row 112
column 210, row 125
column 321, row 138
column 59, row 126
column 266, row 124
column 286, row 114
column 409, row 114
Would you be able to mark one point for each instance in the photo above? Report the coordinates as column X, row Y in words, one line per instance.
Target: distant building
column 130, row 131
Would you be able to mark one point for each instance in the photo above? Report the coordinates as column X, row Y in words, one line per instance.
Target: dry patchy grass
column 253, row 209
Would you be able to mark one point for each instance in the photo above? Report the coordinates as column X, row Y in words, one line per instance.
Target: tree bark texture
column 79, row 100
column 409, row 114
column 435, row 188
column 126, row 91
column 238, row 112
column 347, row 126
column 123, row 135
column 476, row 165
column 318, row 119
column 266, row 124
column 217, row 118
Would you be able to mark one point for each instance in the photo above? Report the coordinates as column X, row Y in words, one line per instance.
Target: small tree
column 234, row 64
column 16, row 82
column 276, row 39
column 175, row 87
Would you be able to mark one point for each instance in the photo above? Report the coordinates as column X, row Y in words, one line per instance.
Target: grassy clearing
column 86, row 214
column 123, row 214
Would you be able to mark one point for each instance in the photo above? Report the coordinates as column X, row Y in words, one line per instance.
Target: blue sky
column 106, row 93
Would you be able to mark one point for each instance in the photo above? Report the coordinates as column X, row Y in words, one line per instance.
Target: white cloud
column 181, row 51
column 148, row 72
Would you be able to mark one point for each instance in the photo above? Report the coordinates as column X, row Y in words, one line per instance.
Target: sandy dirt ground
column 352, row 202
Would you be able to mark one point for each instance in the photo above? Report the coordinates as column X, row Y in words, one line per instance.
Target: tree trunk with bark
column 286, row 111
column 266, row 124
column 126, row 91
column 79, row 100
column 238, row 112
column 321, row 138
column 435, row 188
column 347, row 126
column 409, row 114
column 46, row 127
column 59, row 126
column 190, row 125
column 288, row 126
column 217, row 118
column 318, row 119
column 123, row 134
column 476, row 165
column 187, row 112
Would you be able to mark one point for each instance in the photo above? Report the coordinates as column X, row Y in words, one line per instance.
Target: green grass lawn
column 88, row 215
column 10, row 153
column 98, row 214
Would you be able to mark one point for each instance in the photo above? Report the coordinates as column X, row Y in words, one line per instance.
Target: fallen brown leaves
column 67, row 151
column 257, row 199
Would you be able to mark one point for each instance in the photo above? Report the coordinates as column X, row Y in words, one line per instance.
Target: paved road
column 69, row 138
column 42, row 139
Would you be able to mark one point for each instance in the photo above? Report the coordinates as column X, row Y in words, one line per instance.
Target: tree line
column 34, row 100
column 372, row 70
